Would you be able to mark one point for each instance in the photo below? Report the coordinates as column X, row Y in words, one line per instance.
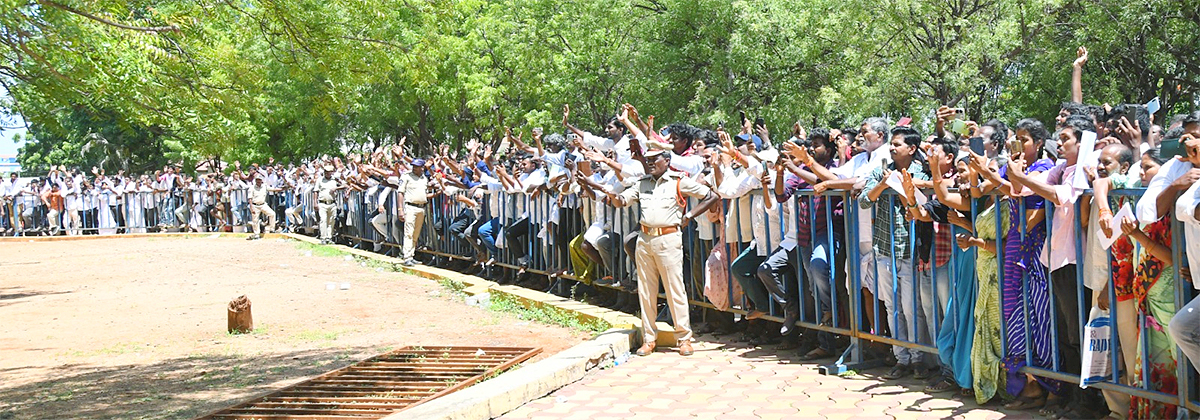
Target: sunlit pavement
column 732, row 381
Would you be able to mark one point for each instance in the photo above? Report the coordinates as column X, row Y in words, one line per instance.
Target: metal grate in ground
column 381, row 385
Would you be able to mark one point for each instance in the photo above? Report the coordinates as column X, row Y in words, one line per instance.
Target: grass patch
column 453, row 286
column 320, row 250
column 377, row 264
column 259, row 329
column 546, row 315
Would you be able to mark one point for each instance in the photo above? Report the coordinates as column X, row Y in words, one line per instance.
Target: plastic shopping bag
column 1097, row 346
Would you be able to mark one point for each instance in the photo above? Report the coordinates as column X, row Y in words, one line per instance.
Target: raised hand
column 910, row 190
column 726, row 142
column 566, row 114
column 1124, row 131
column 1090, row 171
column 945, row 113
column 1130, row 226
column 1082, row 57
column 762, row 132
column 1016, row 167
column 631, row 112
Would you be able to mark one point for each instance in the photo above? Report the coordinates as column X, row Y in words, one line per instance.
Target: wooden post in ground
column 240, row 319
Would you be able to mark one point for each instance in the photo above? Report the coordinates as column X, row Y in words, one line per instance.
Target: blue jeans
column 927, row 328
column 816, row 263
column 487, row 235
column 744, row 270
column 903, row 322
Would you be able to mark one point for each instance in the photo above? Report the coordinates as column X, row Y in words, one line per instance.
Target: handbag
column 1097, row 348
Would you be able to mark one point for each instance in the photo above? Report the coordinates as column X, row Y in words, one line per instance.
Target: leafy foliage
column 181, row 81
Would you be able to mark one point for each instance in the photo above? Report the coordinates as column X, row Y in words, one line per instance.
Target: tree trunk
column 240, row 319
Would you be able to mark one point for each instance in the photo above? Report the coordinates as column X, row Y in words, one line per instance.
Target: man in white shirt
column 74, row 204
column 874, row 133
column 8, row 190
column 1181, row 174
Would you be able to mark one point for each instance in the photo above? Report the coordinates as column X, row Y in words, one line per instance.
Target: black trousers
column 1066, row 299
column 516, row 237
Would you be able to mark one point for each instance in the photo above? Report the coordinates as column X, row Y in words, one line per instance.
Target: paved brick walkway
column 732, row 381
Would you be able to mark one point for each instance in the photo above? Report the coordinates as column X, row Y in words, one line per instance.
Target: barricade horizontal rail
column 760, row 252
column 746, row 226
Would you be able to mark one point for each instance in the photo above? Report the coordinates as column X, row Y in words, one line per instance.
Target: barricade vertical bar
column 1079, row 284
column 1025, row 283
column 1054, row 346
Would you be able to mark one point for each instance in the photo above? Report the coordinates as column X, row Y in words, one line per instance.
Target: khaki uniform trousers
column 414, row 217
column 257, row 210
column 326, row 212
column 660, row 258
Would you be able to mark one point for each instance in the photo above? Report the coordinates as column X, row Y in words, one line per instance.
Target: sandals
column 897, row 372
column 817, row 353
column 1055, row 407
column 944, row 385
column 1024, row 403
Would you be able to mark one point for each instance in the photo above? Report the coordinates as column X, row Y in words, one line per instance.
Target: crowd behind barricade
column 1009, row 263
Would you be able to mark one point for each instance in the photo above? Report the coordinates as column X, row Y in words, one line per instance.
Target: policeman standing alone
column 326, row 206
column 661, row 195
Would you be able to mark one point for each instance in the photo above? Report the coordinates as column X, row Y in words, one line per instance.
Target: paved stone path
column 733, row 381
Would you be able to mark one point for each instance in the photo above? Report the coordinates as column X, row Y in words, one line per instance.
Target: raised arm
column 1077, row 75
column 566, row 117
column 1016, row 173
column 817, row 168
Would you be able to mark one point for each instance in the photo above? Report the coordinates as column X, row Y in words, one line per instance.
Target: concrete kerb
column 499, row 395
column 506, row 392
column 494, row 397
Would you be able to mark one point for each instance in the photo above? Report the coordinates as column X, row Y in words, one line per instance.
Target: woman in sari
column 1024, row 287
column 1154, row 292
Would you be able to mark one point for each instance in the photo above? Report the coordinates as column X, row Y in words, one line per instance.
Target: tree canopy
column 139, row 83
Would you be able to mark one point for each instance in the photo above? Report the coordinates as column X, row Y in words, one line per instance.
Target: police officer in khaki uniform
column 326, row 206
column 414, row 193
column 661, row 194
column 259, row 207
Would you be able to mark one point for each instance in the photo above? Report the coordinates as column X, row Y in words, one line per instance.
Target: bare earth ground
column 135, row 328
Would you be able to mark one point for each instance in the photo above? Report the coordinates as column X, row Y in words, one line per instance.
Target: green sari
column 988, row 352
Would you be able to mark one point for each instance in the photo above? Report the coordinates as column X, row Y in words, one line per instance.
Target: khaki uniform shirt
column 325, row 188
column 413, row 187
column 258, row 195
column 657, row 198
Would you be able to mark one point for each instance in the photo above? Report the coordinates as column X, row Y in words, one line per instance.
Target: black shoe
column 791, row 314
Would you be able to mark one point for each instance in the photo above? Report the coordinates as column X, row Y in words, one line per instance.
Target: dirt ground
column 135, row 328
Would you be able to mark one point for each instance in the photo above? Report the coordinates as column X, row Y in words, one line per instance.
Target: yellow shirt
column 657, row 197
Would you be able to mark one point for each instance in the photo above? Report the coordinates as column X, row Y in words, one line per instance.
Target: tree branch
column 153, row 29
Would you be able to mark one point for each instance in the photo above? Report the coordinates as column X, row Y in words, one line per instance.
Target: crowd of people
column 985, row 241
